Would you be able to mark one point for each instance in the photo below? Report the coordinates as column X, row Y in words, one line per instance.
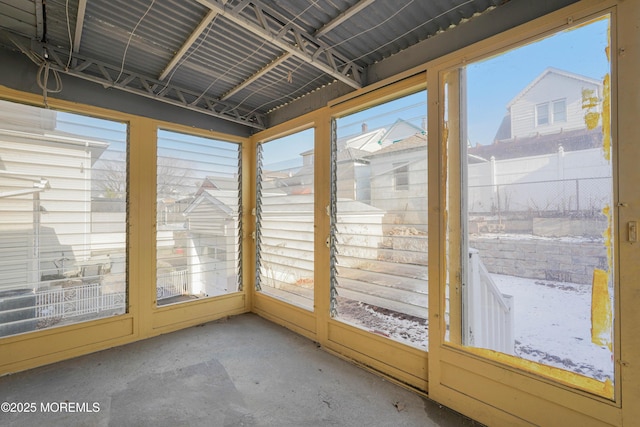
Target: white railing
column 489, row 321
column 172, row 284
column 89, row 298
column 76, row 301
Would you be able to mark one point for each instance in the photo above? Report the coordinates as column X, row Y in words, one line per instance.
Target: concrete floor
column 241, row 371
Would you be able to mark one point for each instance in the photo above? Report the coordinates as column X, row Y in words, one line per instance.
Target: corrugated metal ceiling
column 241, row 63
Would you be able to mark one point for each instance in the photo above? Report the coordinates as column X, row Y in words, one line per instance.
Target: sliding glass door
column 530, row 188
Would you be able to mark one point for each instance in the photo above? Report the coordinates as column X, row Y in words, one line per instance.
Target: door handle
column 632, row 229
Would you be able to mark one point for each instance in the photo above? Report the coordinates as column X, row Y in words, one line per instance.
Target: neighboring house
column 212, row 239
column 548, row 153
column 399, row 179
column 45, row 196
column 353, row 152
column 550, row 133
column 556, row 101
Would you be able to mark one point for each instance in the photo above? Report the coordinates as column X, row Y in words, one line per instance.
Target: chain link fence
column 583, row 197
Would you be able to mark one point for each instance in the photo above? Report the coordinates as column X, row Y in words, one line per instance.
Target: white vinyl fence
column 573, row 181
column 489, row 321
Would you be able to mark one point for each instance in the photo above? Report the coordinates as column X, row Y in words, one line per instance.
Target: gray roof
column 574, row 140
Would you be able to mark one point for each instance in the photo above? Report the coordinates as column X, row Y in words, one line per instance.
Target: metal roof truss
column 111, row 76
column 280, row 31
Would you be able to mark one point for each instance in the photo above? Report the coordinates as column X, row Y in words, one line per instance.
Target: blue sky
column 284, row 153
column 492, row 83
column 412, row 108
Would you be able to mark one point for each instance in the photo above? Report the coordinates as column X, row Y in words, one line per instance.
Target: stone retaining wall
column 542, row 259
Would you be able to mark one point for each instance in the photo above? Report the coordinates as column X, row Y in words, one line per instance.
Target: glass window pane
column 401, row 176
column 535, row 234
column 198, row 224
column 379, row 272
column 542, row 114
column 63, row 198
column 559, row 111
column 285, row 218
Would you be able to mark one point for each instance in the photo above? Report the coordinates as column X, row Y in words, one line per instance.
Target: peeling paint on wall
column 601, row 317
column 590, row 103
column 601, row 311
column 606, row 211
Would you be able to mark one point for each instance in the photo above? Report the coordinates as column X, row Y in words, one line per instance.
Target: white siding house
column 45, row 197
column 399, row 181
column 553, row 102
column 212, row 239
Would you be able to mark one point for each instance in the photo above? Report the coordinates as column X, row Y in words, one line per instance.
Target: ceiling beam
column 353, row 10
column 273, row 64
column 273, row 27
column 188, row 43
column 82, row 8
column 40, row 17
column 356, row 8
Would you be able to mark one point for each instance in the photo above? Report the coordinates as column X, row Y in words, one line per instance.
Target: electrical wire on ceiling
column 390, row 17
column 66, row 10
column 413, row 29
column 124, row 56
column 204, row 92
column 42, row 79
column 291, row 94
column 191, row 52
column 251, row 55
column 288, row 77
column 46, row 73
column 44, row 64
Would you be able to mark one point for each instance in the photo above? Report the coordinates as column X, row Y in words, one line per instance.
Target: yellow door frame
column 502, row 394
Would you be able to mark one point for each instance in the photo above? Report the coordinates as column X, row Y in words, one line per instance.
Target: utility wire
column 251, row 55
column 66, row 10
column 290, row 95
column 191, row 52
column 124, row 56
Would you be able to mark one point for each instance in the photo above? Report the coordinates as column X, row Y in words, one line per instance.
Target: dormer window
column 542, row 114
column 551, row 112
column 559, row 111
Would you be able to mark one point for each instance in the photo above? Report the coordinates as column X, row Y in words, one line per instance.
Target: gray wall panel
column 17, row 72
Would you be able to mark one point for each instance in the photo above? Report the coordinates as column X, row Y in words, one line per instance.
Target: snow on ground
column 397, row 326
column 552, row 324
